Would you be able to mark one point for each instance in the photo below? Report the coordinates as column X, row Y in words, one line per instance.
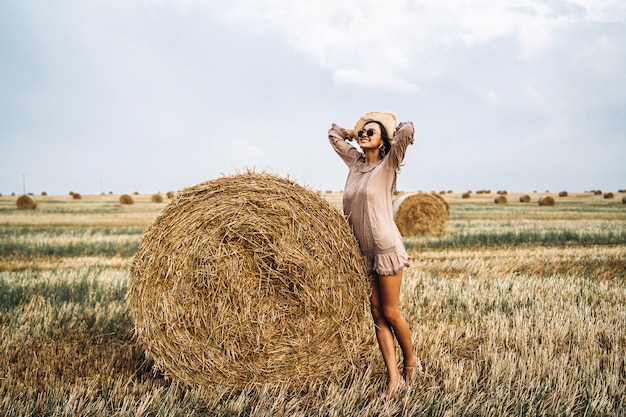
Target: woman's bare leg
column 385, row 309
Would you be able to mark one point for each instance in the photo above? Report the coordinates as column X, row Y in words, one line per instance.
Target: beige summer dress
column 367, row 201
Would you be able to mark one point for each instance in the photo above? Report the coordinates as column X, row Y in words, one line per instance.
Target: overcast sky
column 157, row 95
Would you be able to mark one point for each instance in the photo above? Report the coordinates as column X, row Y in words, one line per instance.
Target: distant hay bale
column 465, row 195
column 597, row 192
column 156, row 198
column 421, row 214
column 563, row 194
column 126, row 199
column 76, row 196
column 43, row 193
column 501, row 199
column 609, row 195
column 502, row 192
column 250, row 279
column 624, row 199
column 170, row 194
column 26, row 202
column 546, row 200
column 524, row 198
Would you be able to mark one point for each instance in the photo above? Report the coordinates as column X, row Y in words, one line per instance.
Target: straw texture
column 26, row 202
column 126, row 199
column 421, row 214
column 248, row 279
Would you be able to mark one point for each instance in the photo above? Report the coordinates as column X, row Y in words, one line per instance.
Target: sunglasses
column 368, row 132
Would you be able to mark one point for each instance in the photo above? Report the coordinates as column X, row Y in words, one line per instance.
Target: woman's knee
column 377, row 313
column 391, row 314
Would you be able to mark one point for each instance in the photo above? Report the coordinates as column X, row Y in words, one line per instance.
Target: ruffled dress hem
column 384, row 264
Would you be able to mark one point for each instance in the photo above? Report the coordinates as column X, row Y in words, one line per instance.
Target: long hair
column 385, row 148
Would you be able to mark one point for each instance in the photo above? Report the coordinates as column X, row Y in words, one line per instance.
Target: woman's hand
column 403, row 125
column 345, row 133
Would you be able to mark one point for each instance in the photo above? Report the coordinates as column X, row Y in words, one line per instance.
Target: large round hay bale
column 421, row 214
column 76, row 196
column 156, row 198
column 563, row 194
column 609, row 195
column 524, row 198
column 170, row 194
column 624, row 199
column 546, row 200
column 126, row 199
column 501, row 199
column 465, row 195
column 26, row 202
column 249, row 279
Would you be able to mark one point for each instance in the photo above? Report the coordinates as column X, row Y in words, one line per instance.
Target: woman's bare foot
column 411, row 370
column 394, row 385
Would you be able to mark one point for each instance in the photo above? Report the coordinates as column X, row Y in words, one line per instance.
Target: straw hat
column 386, row 119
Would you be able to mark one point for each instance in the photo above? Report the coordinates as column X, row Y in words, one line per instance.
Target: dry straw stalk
column 249, row 279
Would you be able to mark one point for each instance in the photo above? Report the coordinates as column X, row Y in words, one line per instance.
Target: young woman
column 367, row 203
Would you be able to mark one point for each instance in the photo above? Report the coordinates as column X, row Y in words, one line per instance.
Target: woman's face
column 370, row 137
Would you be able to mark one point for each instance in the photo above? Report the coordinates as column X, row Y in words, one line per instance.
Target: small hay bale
column 563, row 194
column 624, row 199
column 126, row 199
column 76, row 196
column 156, row 198
column 250, row 279
column 609, row 195
column 546, row 200
column 421, row 214
column 465, row 195
column 524, row 198
column 26, row 202
column 170, row 194
column 501, row 199
column 43, row 193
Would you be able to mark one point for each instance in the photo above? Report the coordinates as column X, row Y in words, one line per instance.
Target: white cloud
column 337, row 34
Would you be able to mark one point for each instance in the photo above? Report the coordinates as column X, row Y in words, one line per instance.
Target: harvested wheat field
column 518, row 309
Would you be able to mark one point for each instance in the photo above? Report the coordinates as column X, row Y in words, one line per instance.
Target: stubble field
column 517, row 310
